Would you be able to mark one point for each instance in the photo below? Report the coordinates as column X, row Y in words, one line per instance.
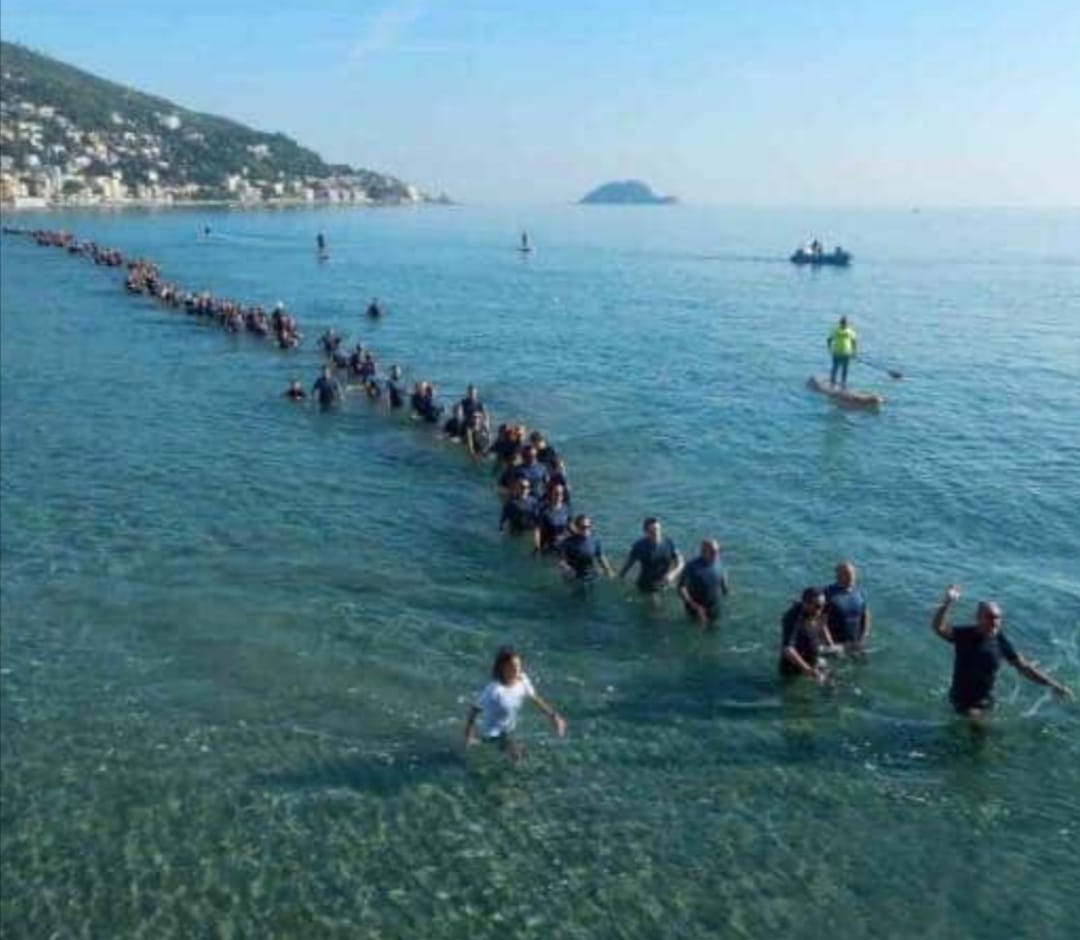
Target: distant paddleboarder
column 374, row 311
column 320, row 245
column 525, row 247
column 843, row 343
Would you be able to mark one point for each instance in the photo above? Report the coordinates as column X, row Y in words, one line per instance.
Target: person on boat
column 495, row 711
column 373, row 309
column 805, row 637
column 978, row 651
column 580, row 553
column 295, row 391
column 703, row 583
column 816, row 248
column 846, row 610
column 659, row 560
column 843, row 343
column 327, row 389
column 520, row 511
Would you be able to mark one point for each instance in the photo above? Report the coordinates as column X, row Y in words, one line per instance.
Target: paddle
column 892, row 373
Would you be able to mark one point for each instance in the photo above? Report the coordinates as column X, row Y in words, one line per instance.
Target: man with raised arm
column 979, row 649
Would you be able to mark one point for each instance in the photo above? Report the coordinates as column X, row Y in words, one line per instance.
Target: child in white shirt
column 498, row 705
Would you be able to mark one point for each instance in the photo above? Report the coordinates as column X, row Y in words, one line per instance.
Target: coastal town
column 68, row 138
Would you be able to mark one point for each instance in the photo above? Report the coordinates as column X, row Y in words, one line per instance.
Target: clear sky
column 720, row 102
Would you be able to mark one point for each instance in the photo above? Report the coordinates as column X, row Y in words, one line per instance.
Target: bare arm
column 557, row 720
column 675, row 568
column 1030, row 672
column 792, row 656
column 470, row 726
column 940, row 623
column 627, row 565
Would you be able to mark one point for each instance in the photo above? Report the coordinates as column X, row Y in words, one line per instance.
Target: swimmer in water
column 493, row 716
column 580, row 552
column 295, row 391
column 804, row 637
column 327, row 389
column 659, row 559
column 703, row 583
column 979, row 649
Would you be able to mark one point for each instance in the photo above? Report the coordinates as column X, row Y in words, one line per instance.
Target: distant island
column 70, row 138
column 627, row 192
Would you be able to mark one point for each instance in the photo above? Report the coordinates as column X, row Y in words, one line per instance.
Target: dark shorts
column 712, row 613
column 963, row 706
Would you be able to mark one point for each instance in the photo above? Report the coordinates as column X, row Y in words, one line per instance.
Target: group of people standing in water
column 536, row 504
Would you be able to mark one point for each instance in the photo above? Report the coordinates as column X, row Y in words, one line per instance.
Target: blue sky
column 831, row 103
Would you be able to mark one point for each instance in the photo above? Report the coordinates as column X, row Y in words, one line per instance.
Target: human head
column 710, row 549
column 470, row 392
column 582, row 523
column 528, row 454
column 988, row 617
column 651, row 528
column 843, row 321
column 846, row 575
column 326, row 371
column 813, row 600
column 557, row 494
column 507, row 665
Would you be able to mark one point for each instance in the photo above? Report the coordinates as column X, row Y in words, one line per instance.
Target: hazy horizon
column 907, row 107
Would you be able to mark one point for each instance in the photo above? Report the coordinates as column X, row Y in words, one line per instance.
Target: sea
column 240, row 636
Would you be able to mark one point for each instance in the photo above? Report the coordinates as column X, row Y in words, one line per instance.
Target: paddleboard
column 849, row 398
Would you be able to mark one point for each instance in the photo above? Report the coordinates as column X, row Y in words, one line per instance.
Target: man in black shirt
column 980, row 647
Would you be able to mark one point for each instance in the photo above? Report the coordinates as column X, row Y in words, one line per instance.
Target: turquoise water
column 239, row 637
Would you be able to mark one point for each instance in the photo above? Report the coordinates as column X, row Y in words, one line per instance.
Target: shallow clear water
column 239, row 637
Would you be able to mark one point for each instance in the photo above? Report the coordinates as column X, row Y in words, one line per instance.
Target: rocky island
column 628, row 192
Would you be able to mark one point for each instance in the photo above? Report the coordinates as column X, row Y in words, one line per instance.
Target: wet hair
column 649, row 520
column 811, row 594
column 503, row 655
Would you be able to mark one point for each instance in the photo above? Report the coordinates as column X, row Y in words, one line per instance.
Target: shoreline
column 141, row 204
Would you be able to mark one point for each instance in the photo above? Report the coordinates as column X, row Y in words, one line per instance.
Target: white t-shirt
column 499, row 705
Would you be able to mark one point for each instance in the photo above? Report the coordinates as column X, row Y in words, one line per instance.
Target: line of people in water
column 536, row 502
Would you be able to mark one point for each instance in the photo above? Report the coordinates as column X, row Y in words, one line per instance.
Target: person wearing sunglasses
column 805, row 637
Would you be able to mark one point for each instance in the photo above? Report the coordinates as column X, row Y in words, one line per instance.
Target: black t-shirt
column 581, row 552
column 655, row 559
column 978, row 657
column 520, row 513
column 327, row 390
column 704, row 582
column 798, row 633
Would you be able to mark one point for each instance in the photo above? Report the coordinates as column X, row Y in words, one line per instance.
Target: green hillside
column 145, row 133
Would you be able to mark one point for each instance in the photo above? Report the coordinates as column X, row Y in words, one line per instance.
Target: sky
column 905, row 103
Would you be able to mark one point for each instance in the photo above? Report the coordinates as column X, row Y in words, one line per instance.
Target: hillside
column 628, row 192
column 67, row 135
